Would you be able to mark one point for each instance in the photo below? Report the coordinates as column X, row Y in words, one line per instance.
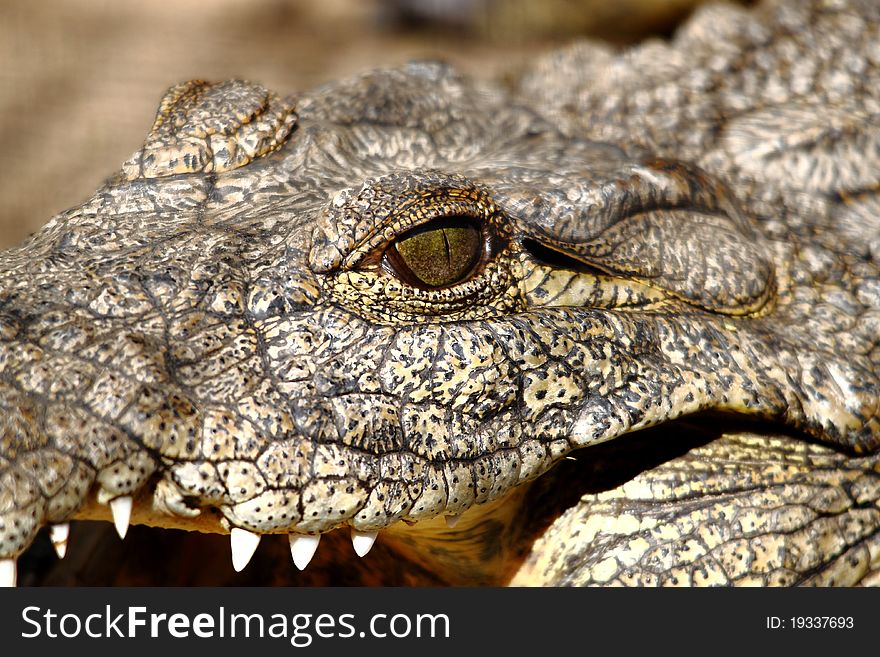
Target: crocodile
column 612, row 320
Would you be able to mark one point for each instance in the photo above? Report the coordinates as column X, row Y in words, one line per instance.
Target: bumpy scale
column 402, row 296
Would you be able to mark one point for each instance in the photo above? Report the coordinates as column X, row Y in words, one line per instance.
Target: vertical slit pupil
column 440, row 253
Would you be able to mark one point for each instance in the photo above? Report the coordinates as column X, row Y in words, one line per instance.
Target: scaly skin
column 686, row 227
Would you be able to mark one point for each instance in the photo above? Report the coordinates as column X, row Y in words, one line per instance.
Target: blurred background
column 80, row 79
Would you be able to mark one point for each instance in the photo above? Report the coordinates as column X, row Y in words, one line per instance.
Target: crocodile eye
column 440, row 253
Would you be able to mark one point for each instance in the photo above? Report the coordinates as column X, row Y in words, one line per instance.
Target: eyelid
column 468, row 203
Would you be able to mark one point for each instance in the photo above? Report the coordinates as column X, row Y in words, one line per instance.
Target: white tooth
column 452, row 521
column 58, row 535
column 302, row 548
column 120, row 507
column 7, row 573
column 362, row 541
column 244, row 544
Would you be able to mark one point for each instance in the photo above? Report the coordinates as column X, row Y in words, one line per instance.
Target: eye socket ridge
column 440, row 253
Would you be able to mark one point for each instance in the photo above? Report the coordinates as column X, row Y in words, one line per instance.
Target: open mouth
column 435, row 324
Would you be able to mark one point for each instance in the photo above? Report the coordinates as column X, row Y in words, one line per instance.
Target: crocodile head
column 400, row 297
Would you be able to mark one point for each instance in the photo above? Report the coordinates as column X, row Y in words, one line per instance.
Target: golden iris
column 438, row 254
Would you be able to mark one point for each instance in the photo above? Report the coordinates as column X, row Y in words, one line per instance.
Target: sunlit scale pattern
column 217, row 329
column 780, row 518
